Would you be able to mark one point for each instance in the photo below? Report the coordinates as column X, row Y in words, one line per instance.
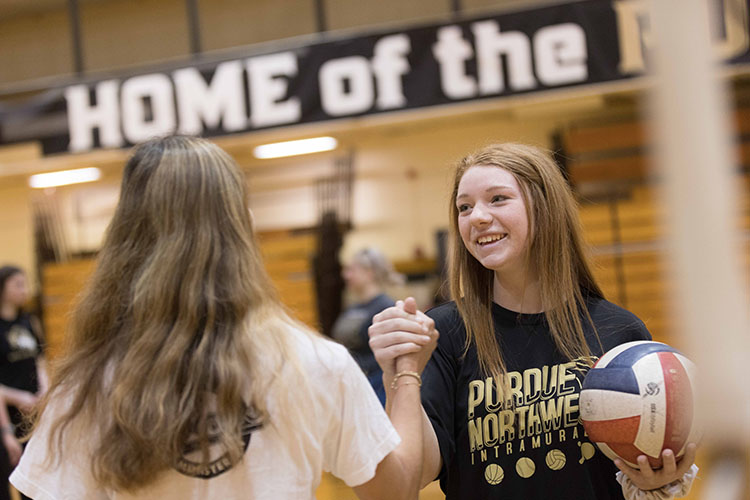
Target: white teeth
column 489, row 239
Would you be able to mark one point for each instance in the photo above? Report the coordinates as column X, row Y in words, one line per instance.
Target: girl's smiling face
column 492, row 218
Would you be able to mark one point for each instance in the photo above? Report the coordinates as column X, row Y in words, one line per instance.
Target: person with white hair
column 366, row 276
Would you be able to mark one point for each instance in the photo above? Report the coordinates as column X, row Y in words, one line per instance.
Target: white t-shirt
column 346, row 432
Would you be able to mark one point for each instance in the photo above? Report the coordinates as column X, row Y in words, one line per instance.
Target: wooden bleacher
column 61, row 284
column 624, row 221
column 287, row 257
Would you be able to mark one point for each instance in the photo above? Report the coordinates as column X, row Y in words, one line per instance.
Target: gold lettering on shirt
column 538, row 401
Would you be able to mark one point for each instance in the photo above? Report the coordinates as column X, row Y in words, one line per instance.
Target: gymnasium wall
column 623, row 213
column 120, row 33
column 16, row 225
column 16, row 217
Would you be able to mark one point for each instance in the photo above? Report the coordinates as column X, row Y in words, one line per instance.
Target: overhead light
column 64, row 177
column 293, row 148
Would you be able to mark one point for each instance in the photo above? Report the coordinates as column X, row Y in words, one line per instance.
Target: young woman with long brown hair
column 184, row 376
column 527, row 320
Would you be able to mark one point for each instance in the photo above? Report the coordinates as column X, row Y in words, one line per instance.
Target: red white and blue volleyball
column 638, row 399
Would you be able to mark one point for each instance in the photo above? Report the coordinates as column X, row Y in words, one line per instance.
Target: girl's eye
column 498, row 197
column 463, row 208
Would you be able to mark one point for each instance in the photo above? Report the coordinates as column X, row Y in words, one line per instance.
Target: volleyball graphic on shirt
column 638, row 400
column 494, row 474
column 555, row 459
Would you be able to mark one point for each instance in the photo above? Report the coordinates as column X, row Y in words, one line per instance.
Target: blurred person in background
column 185, row 378
column 366, row 277
column 23, row 378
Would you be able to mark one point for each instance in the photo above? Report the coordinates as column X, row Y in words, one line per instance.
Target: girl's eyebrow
column 491, row 188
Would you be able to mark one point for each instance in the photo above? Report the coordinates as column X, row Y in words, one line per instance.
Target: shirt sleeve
column 439, row 386
column 359, row 435
column 640, row 332
column 65, row 476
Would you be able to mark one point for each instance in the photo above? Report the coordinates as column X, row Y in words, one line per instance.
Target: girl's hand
column 416, row 361
column 402, row 330
column 23, row 400
column 649, row 479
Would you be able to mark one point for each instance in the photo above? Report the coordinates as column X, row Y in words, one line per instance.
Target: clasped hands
column 402, row 338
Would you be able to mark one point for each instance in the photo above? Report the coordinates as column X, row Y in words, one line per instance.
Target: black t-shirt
column 537, row 449
column 19, row 348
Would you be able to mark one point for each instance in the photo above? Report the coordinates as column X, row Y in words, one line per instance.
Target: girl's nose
column 479, row 215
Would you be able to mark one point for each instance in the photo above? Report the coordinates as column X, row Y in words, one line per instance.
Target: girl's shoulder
column 319, row 355
column 447, row 311
column 604, row 310
column 450, row 326
column 612, row 320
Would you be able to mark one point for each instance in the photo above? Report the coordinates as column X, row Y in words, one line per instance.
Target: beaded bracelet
column 406, row 374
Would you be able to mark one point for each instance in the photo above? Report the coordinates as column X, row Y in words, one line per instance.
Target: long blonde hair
column 179, row 316
column 555, row 250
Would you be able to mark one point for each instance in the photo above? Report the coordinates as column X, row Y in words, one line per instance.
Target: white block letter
column 389, row 64
column 560, row 54
column 221, row 102
column 136, row 124
column 84, row 117
column 335, row 98
column 266, row 90
column 491, row 45
column 452, row 51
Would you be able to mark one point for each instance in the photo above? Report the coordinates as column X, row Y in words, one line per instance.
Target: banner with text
column 581, row 43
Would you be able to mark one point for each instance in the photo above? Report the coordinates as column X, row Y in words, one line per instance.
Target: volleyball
column 555, row 459
column 638, row 399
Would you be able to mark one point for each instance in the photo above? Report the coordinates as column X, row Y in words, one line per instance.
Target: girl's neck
column 8, row 312
column 520, row 292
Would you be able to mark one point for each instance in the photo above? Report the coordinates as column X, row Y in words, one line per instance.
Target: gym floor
column 332, row 488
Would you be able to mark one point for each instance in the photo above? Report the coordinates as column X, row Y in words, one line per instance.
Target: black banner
column 535, row 50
